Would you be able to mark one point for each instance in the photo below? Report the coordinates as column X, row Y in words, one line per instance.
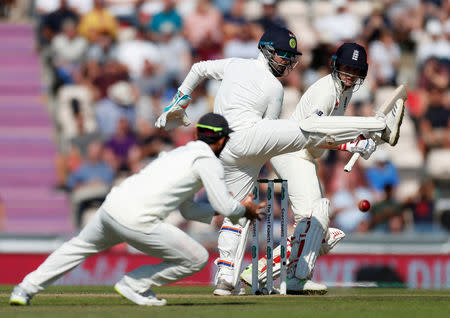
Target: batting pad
column 308, row 236
column 229, row 240
column 332, row 237
column 262, row 263
column 340, row 129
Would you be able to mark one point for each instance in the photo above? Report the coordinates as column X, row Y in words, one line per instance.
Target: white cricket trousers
column 181, row 255
column 248, row 150
column 303, row 181
column 243, row 157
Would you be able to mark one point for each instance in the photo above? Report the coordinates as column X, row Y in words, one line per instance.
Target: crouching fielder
column 329, row 96
column 133, row 212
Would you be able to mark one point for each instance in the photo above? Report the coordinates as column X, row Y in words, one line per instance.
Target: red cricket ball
column 364, row 205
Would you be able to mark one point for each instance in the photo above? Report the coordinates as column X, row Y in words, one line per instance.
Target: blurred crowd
column 111, row 66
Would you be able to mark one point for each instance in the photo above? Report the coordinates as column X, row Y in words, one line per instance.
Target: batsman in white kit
column 250, row 97
column 329, row 96
column 134, row 212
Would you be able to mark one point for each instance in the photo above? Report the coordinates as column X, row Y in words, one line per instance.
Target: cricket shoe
column 224, row 288
column 297, row 286
column 393, row 121
column 147, row 298
column 20, row 297
column 246, row 275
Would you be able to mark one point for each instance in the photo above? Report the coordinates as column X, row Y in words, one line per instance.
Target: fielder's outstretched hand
column 175, row 115
column 252, row 210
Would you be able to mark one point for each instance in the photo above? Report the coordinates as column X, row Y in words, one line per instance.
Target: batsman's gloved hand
column 365, row 147
column 175, row 115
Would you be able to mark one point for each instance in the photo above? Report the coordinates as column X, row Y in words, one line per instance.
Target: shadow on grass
column 211, row 304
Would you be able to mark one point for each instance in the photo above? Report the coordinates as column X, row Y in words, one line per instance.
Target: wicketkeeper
column 133, row 212
column 250, row 97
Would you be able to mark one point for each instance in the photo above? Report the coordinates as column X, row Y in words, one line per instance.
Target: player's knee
column 199, row 261
column 321, row 210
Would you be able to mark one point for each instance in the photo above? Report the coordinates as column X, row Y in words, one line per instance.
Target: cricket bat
column 386, row 107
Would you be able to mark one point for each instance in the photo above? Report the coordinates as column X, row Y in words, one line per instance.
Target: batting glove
column 364, row 147
column 175, row 115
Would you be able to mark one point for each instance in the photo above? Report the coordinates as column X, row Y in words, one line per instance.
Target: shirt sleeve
column 211, row 173
column 201, row 212
column 207, row 69
column 275, row 101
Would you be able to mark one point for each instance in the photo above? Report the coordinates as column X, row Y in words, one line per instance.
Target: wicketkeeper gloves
column 175, row 115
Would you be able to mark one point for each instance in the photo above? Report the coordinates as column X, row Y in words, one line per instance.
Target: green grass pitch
column 185, row 301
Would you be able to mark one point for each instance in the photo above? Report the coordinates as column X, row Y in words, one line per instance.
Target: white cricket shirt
column 324, row 98
column 248, row 93
column 169, row 183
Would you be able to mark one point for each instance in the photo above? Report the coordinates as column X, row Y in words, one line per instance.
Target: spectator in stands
column 93, row 169
column 119, row 103
column 68, row 50
column 98, row 21
column 436, row 46
column 345, row 213
column 152, row 141
column 270, row 16
column 103, row 50
column 167, row 18
column 382, row 173
column 434, row 74
column 125, row 11
column 375, row 22
column 203, row 26
column 72, row 100
column 422, row 205
column 234, row 20
column 80, row 7
column 341, row 25
column 345, row 191
column 108, row 74
column 51, row 23
column 176, row 57
column 243, row 45
column 119, row 146
column 435, row 123
column 143, row 60
column 91, row 181
column 386, row 215
column 74, row 146
column 385, row 58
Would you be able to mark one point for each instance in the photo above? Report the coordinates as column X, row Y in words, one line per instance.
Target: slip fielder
column 134, row 212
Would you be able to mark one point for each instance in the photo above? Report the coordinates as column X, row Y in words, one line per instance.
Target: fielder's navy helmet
column 283, row 43
column 280, row 39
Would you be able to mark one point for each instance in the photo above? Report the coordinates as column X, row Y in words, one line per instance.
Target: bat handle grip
column 348, row 167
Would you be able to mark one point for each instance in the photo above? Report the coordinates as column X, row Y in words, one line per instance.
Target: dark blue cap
column 352, row 54
column 281, row 39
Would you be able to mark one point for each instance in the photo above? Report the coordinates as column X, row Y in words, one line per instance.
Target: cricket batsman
column 312, row 238
column 250, row 97
column 134, row 212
